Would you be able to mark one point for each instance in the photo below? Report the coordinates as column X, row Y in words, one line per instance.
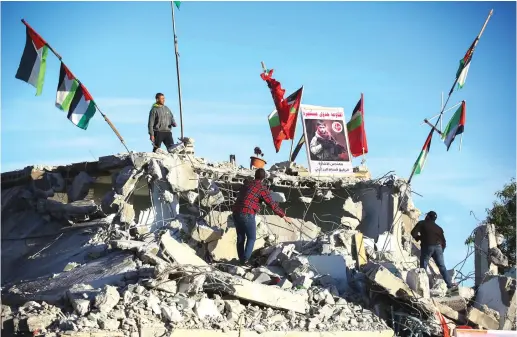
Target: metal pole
column 474, row 44
column 177, row 66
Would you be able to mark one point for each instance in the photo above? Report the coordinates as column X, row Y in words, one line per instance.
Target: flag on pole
column 177, row 4
column 356, row 131
column 34, row 60
column 292, row 105
column 72, row 97
column 420, row 162
column 463, row 69
column 455, row 126
column 276, row 92
column 276, row 130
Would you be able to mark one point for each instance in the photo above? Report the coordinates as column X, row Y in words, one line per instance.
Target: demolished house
column 143, row 244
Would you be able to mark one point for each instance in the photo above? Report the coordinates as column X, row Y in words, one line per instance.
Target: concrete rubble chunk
column 418, row 280
column 266, row 295
column 482, row 320
column 154, row 169
column 206, row 308
column 353, row 209
column 497, row 257
column 80, row 187
column 109, row 324
column 107, row 299
column 126, row 180
column 39, row 322
column 171, row 314
column 180, row 253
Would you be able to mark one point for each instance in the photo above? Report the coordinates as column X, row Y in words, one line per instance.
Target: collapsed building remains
column 143, row 244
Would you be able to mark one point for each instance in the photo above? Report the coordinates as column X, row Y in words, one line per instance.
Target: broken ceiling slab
column 248, row 333
column 268, row 296
column 180, row 252
column 109, row 269
column 299, row 230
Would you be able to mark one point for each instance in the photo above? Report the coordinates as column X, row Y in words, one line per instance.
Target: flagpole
column 177, row 66
column 452, row 88
column 100, row 111
column 441, row 108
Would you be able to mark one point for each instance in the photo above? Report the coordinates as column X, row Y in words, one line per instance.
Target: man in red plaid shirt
column 244, row 210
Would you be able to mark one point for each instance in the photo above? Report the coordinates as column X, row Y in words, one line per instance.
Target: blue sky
column 400, row 55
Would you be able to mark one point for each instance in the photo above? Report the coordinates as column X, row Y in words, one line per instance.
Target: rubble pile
column 143, row 244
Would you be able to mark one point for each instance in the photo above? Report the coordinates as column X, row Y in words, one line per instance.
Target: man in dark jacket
column 432, row 244
column 160, row 122
column 244, row 210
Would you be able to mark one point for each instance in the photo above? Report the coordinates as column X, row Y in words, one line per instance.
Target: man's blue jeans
column 246, row 235
column 436, row 252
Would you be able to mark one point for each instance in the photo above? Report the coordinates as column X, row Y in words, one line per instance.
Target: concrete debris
column 80, row 187
column 159, row 256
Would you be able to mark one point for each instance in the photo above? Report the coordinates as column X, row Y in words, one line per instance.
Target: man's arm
column 444, row 244
column 266, row 196
column 152, row 116
column 173, row 121
column 415, row 233
column 315, row 147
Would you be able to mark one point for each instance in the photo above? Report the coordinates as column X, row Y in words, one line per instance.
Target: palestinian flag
column 455, row 126
column 420, row 162
column 463, row 69
column 356, row 131
column 34, row 60
column 177, row 4
column 276, row 130
column 73, row 98
column 292, row 104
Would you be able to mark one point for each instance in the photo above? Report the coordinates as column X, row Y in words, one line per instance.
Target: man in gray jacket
column 160, row 122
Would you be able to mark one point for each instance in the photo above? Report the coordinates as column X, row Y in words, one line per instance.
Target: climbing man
column 244, row 210
column 160, row 122
column 432, row 245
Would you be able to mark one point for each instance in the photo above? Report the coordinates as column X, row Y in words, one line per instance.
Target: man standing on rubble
column 244, row 210
column 160, row 122
column 432, row 244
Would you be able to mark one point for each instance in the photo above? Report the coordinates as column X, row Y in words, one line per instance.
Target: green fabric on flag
column 420, row 162
column 355, row 122
column 177, row 3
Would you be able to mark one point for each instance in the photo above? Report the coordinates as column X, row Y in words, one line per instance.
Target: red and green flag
column 276, row 129
column 292, row 105
column 456, row 125
column 356, row 131
column 420, row 162
column 34, row 60
column 73, row 98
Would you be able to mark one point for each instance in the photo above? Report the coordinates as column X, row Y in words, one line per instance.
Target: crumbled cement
column 107, row 299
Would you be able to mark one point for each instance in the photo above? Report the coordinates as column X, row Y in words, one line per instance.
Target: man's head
column 260, row 174
column 431, row 215
column 322, row 128
column 160, row 98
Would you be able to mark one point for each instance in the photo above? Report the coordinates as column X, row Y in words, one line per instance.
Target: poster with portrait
column 326, row 140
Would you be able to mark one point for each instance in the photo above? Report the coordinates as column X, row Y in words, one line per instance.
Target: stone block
column 80, row 187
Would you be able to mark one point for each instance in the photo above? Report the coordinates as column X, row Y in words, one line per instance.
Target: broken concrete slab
column 418, row 280
column 278, row 197
column 299, row 230
column 107, row 299
column 179, row 252
column 262, row 294
column 110, row 269
column 248, row 333
column 485, row 239
column 498, row 293
column 91, row 334
column 483, row 320
column 80, row 187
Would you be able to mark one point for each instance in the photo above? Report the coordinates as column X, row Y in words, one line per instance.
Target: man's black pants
column 164, row 137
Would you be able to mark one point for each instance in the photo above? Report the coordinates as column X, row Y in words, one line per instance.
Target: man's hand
column 152, row 138
column 288, row 220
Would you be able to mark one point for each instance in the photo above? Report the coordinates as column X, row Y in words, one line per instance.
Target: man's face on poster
column 322, row 129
